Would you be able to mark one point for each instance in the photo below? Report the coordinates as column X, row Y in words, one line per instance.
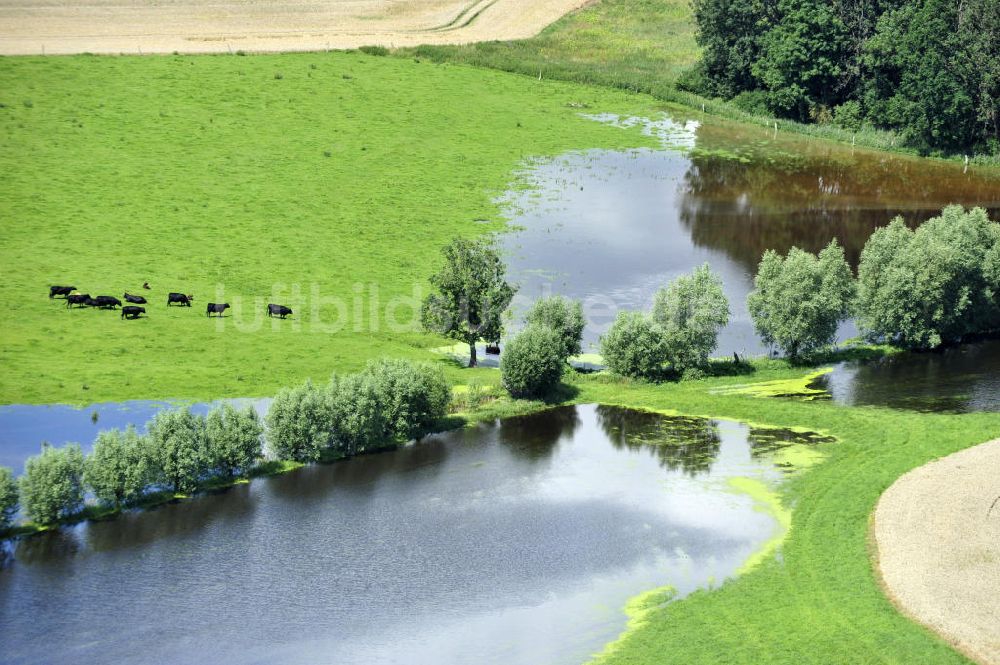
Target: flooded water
column 23, row 427
column 959, row 379
column 514, row 542
column 610, row 228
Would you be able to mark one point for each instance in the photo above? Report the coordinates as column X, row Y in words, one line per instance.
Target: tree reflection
column 774, row 200
column 535, row 436
column 690, row 445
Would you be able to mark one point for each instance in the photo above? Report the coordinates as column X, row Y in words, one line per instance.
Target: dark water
column 516, row 542
column 23, row 427
column 960, row 379
column 610, row 228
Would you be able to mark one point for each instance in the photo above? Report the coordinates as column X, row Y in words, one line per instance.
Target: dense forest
column 927, row 69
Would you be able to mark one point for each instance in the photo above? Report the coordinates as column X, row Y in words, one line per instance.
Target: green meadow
column 326, row 182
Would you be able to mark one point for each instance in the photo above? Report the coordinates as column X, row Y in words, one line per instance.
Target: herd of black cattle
column 133, row 311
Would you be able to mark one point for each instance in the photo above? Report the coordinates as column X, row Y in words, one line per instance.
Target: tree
column 8, row 497
column 361, row 414
column 691, row 310
column 803, row 59
column 799, row 300
column 300, row 423
column 180, row 455
column 533, row 362
column 119, row 467
column 472, row 295
column 932, row 286
column 634, row 346
column 234, row 439
column 730, row 33
column 562, row 315
column 416, row 395
column 52, row 485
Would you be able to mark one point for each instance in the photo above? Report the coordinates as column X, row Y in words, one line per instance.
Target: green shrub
column 533, row 362
column 8, row 497
column 361, row 418
column 119, row 467
column 415, row 395
column 562, row 315
column 799, row 300
column 299, row 423
column 935, row 285
column 234, row 439
column 634, row 346
column 691, row 310
column 849, row 115
column 374, row 50
column 179, row 450
column 52, row 485
column 752, row 101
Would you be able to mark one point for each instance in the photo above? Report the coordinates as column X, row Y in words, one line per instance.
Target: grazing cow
column 216, row 308
column 179, row 298
column 132, row 312
column 107, row 302
column 82, row 299
column 138, row 300
column 493, row 349
column 278, row 310
column 61, row 291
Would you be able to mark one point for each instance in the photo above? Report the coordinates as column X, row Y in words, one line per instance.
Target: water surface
column 514, row 542
column 612, row 227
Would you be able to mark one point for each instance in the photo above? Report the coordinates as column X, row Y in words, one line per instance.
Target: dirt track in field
column 937, row 535
column 193, row 26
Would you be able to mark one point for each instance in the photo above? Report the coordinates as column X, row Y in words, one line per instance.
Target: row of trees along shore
column 917, row 289
column 390, row 402
column 928, row 69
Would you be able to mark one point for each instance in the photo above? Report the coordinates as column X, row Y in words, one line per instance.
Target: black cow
column 138, row 300
column 107, row 302
column 216, row 308
column 61, row 291
column 179, row 298
column 82, row 299
column 493, row 349
column 278, row 310
column 132, row 312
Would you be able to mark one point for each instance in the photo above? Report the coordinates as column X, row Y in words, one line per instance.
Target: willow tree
column 472, row 294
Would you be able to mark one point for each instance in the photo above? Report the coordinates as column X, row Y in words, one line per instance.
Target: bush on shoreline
column 533, row 362
column 52, row 485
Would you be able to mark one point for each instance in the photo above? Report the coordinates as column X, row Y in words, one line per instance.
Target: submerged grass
column 329, row 190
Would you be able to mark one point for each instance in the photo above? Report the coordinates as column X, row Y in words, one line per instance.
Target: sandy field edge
column 60, row 27
column 935, row 536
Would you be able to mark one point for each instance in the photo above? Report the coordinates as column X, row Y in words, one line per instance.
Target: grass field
column 300, row 179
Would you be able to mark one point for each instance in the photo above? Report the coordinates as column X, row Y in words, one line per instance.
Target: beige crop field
column 193, row 26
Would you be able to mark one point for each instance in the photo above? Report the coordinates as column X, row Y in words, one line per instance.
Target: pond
column 959, row 379
column 610, row 228
column 513, row 542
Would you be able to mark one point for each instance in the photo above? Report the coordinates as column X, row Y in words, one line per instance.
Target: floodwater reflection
column 513, row 542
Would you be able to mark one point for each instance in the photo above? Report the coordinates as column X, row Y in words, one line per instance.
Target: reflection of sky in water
column 612, row 227
column 23, row 427
column 604, row 227
column 496, row 544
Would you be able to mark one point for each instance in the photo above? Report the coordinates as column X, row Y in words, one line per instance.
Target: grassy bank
column 818, row 600
column 637, row 45
column 326, row 182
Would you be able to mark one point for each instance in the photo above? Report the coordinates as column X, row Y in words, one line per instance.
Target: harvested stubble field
column 30, row 27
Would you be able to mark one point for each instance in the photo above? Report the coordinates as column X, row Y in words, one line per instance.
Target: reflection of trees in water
column 534, row 437
column 680, row 443
column 48, row 546
column 747, row 207
column 765, row 440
